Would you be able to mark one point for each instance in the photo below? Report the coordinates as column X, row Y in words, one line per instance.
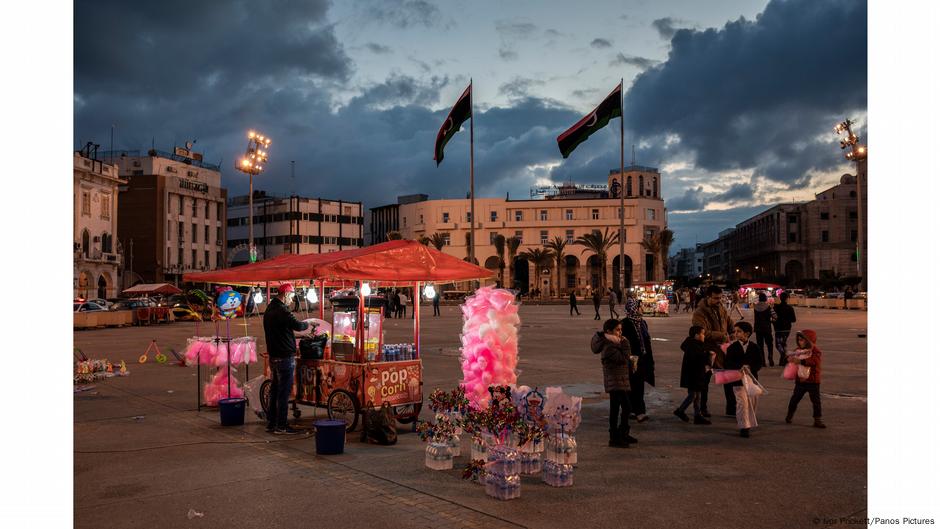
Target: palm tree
column 512, row 247
column 499, row 241
column 393, row 235
column 540, row 257
column 438, row 240
column 424, row 240
column 652, row 245
column 599, row 244
column 557, row 246
column 666, row 238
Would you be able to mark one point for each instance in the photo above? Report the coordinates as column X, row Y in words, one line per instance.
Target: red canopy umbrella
column 401, row 262
column 761, row 286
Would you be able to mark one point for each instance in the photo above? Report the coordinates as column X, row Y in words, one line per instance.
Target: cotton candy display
column 490, row 342
column 218, row 388
column 214, row 351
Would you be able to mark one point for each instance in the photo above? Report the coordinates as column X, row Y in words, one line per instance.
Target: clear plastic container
column 437, row 456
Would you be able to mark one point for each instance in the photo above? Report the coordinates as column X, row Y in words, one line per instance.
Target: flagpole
column 623, row 187
column 472, row 199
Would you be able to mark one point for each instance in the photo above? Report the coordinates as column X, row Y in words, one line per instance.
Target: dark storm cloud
column 756, row 94
column 154, row 48
column 666, row 27
column 378, row 49
column 692, row 200
column 736, row 193
column 601, row 43
column 519, row 87
column 403, row 13
column 632, row 60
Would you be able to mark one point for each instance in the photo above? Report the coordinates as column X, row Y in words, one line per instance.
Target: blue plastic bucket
column 232, row 411
column 331, row 436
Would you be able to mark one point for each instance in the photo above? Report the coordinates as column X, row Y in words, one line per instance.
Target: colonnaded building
column 96, row 265
column 567, row 211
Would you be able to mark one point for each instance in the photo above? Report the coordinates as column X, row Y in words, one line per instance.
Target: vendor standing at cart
column 279, row 327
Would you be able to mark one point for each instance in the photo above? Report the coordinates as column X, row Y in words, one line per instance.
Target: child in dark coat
column 615, row 359
column 806, row 340
column 696, row 364
column 743, row 352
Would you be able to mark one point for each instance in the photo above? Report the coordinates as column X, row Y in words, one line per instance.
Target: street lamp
column 256, row 155
column 857, row 153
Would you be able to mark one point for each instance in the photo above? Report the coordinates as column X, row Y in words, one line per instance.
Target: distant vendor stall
column 654, row 297
column 353, row 368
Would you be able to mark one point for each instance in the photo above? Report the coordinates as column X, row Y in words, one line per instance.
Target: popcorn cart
column 357, row 369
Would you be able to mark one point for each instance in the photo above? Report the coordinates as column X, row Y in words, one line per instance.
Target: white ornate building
column 97, row 258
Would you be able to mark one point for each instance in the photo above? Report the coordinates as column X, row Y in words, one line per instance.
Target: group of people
column 713, row 343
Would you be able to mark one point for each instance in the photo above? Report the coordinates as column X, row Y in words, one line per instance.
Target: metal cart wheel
column 343, row 405
column 407, row 413
column 264, row 393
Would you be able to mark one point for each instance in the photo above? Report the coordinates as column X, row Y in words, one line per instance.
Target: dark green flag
column 458, row 114
column 591, row 123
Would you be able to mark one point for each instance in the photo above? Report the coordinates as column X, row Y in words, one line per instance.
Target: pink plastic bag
column 789, row 371
column 726, row 376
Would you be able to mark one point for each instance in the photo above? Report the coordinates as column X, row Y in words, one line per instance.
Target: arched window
column 655, row 193
column 629, row 186
column 640, row 190
column 85, row 242
column 105, row 243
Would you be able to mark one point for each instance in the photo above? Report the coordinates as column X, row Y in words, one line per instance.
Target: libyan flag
column 591, row 123
column 460, row 113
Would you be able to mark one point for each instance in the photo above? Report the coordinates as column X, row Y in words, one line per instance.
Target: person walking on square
column 612, row 303
column 806, row 341
column 573, row 304
column 786, row 317
column 279, row 326
column 696, row 366
column 713, row 317
column 615, row 359
column 402, row 304
column 636, row 331
column 596, row 298
column 436, row 302
column 764, row 317
column 743, row 352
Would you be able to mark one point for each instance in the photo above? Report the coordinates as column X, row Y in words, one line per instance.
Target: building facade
column 384, row 219
column 293, row 224
column 568, row 214
column 172, row 214
column 687, row 263
column 793, row 242
column 97, row 259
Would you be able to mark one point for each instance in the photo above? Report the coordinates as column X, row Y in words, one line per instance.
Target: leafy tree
column 599, row 244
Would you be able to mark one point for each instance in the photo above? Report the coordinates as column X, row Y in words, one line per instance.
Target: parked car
column 132, row 304
column 103, row 302
column 88, row 306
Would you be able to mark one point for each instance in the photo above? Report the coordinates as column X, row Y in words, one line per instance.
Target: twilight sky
column 734, row 101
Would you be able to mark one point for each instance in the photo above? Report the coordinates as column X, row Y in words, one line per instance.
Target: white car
column 88, row 306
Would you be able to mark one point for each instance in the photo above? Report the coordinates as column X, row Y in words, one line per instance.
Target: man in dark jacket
column 573, row 304
column 764, row 317
column 279, row 327
column 786, row 317
column 596, row 298
column 615, row 359
column 714, row 318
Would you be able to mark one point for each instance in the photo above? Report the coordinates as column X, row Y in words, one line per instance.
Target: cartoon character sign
column 228, row 303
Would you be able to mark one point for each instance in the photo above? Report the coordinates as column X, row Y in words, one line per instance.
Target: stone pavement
column 144, row 457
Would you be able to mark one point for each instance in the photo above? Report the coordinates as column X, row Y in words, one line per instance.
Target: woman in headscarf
column 637, row 333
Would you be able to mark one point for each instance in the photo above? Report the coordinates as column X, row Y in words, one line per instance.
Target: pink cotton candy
column 490, row 342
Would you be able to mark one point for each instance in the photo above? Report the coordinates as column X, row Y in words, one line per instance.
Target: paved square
column 144, row 456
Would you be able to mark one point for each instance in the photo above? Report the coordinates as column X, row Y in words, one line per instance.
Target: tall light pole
column 256, row 155
column 857, row 153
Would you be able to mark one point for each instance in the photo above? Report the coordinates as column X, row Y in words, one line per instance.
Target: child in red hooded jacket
column 807, row 340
